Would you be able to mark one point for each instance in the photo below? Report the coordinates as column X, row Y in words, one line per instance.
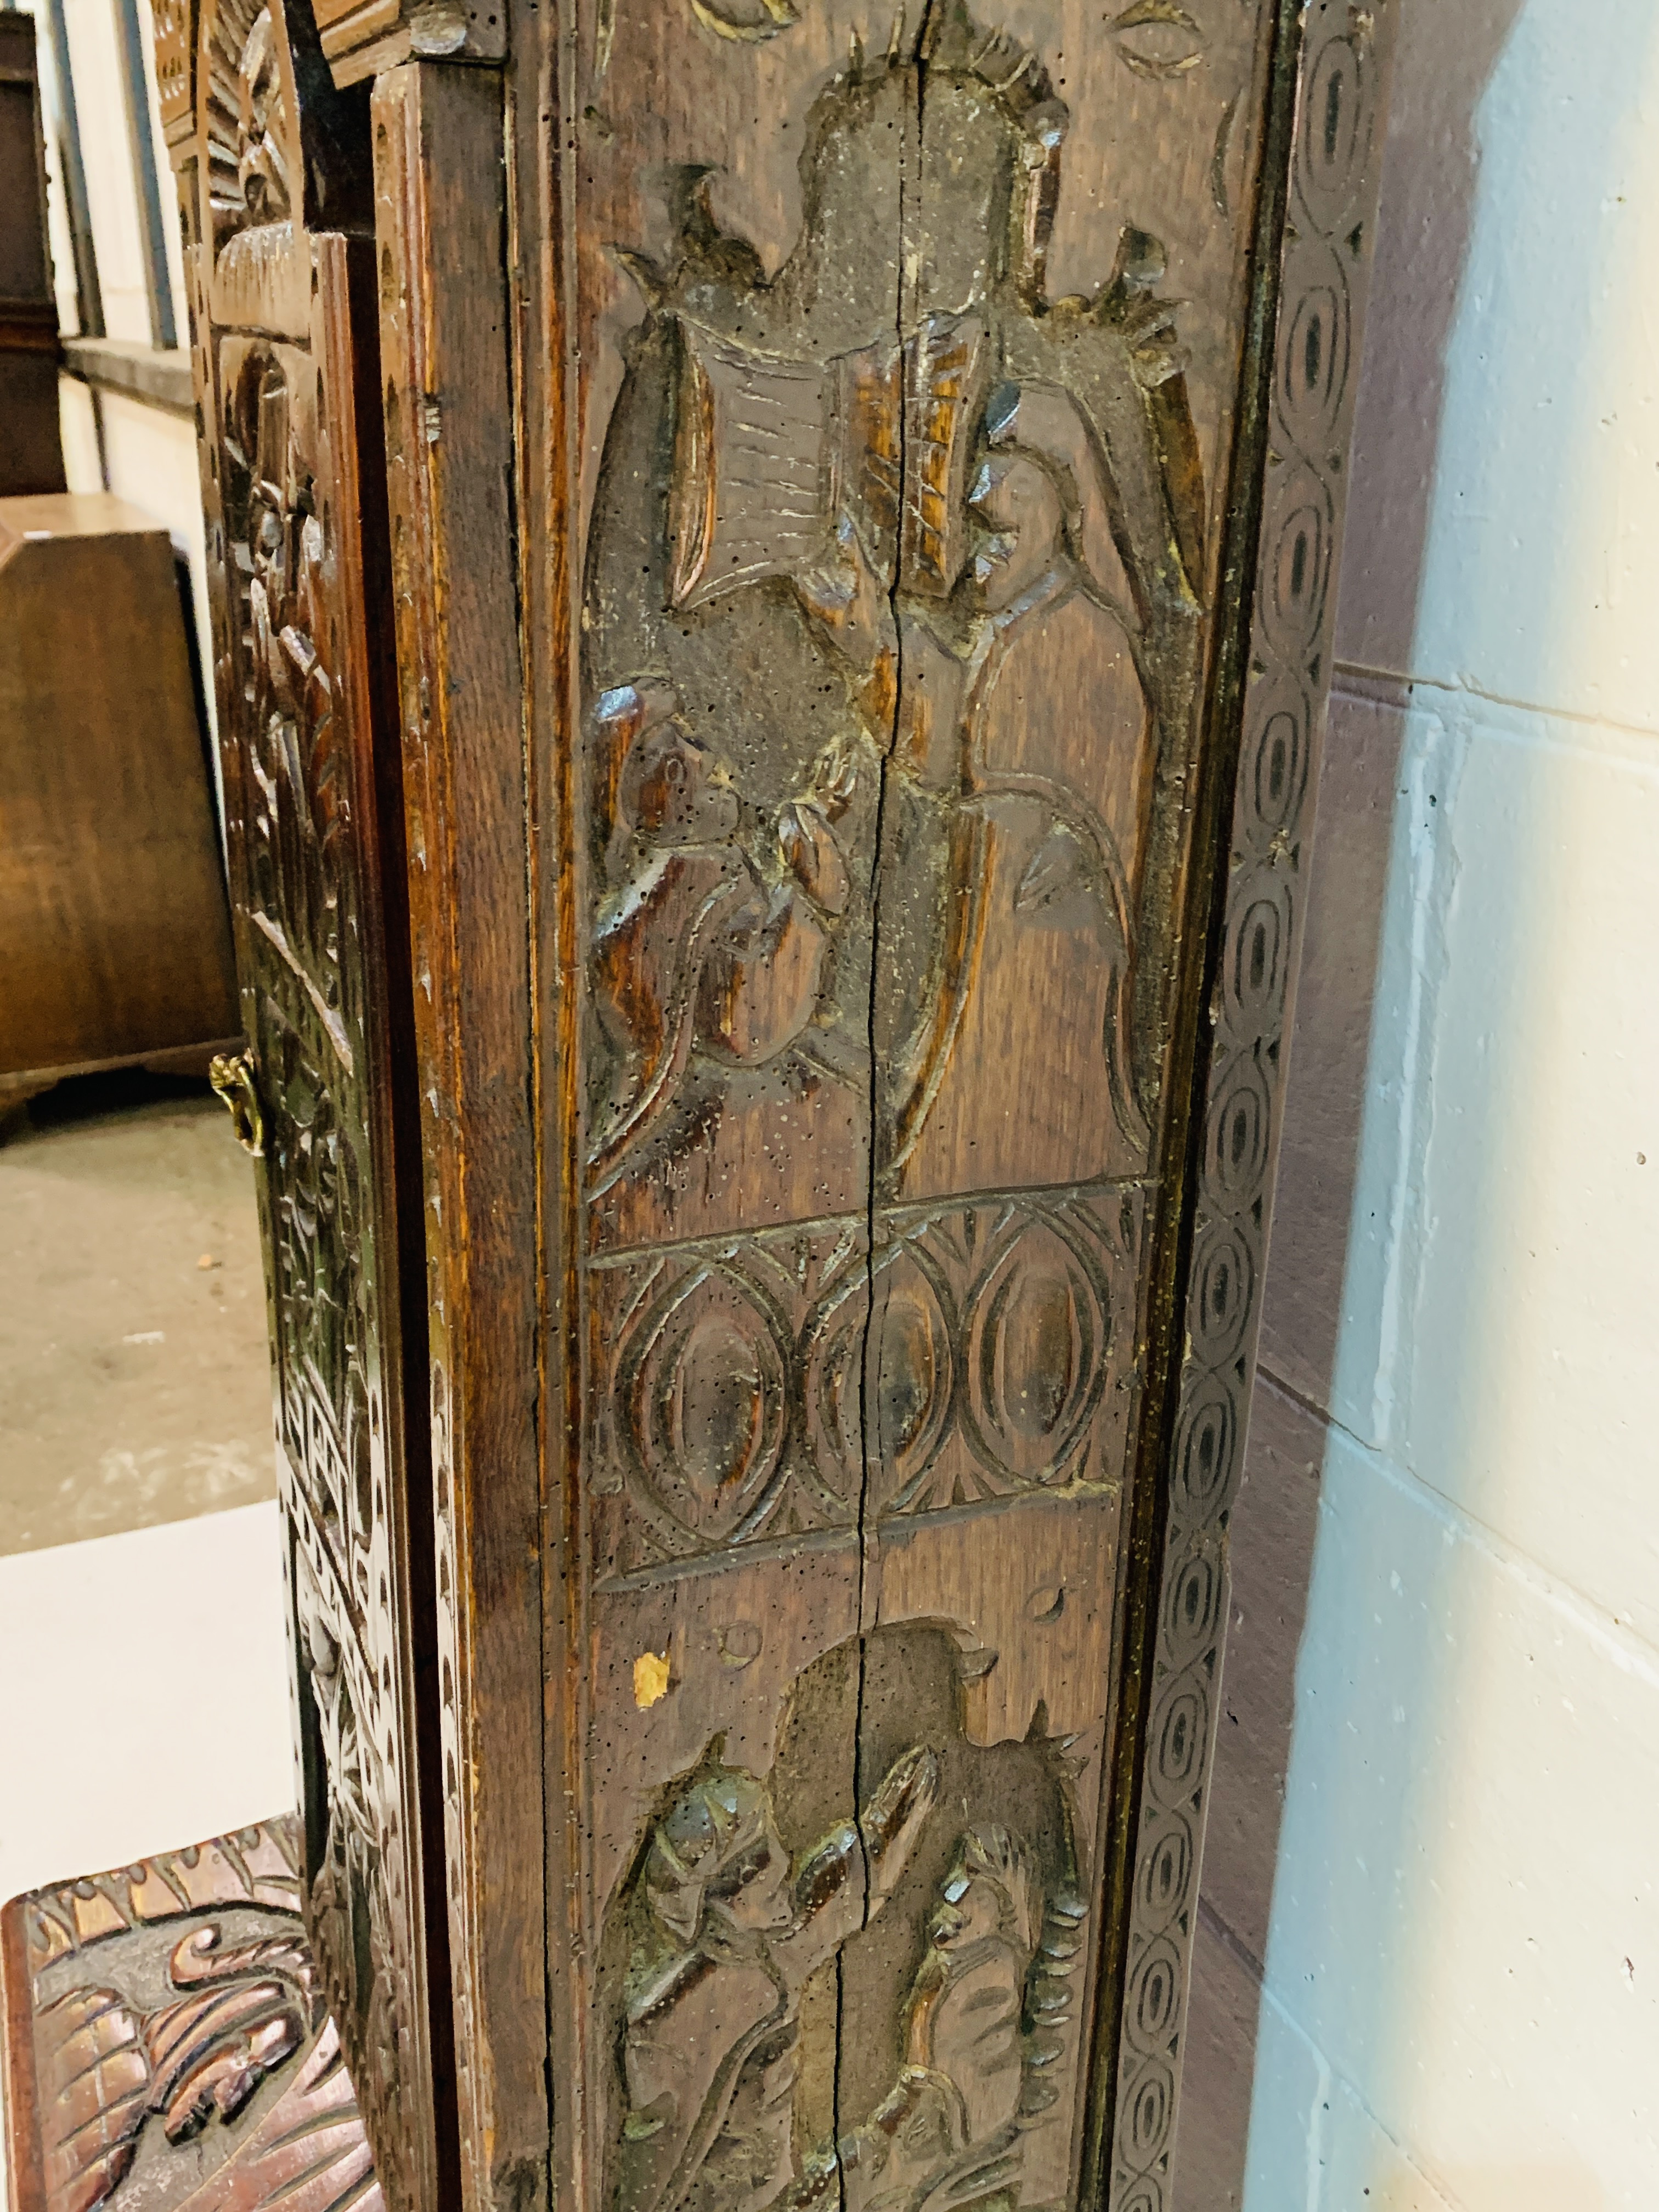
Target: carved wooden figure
column 805, row 942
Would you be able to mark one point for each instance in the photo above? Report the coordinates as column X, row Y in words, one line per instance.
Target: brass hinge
column 231, row 1075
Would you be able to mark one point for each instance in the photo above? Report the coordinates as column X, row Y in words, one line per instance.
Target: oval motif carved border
column 1330, row 207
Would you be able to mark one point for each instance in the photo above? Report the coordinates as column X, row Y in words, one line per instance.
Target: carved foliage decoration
column 1332, row 199
column 277, row 144
column 172, row 2006
column 250, row 118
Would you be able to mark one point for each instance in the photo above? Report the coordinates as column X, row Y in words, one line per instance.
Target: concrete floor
column 148, row 1681
column 134, row 1382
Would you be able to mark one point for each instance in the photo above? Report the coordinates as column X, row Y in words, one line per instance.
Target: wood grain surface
column 275, row 191
column 112, row 903
column 444, row 309
column 861, row 497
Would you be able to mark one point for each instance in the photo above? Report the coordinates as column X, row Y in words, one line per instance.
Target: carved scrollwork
column 987, row 1349
column 174, row 2006
column 283, row 162
column 303, row 887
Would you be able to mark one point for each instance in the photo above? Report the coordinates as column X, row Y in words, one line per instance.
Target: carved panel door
column 908, row 578
column 275, row 194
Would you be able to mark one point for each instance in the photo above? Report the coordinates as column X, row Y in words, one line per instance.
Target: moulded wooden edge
column 24, row 2185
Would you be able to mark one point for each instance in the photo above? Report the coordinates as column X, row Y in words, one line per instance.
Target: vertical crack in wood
column 900, row 323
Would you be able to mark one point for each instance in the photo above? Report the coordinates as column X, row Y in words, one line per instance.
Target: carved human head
column 653, row 778
column 717, row 1852
column 1016, row 499
column 913, row 2135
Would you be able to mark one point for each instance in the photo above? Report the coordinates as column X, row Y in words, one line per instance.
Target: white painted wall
column 106, row 149
column 1460, row 2000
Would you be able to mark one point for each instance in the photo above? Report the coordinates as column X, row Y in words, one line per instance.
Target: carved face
column 1015, row 497
column 753, row 1891
column 719, row 1850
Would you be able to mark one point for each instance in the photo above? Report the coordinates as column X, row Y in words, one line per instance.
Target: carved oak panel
column 274, row 179
column 168, row 2043
column 863, row 488
column 907, row 392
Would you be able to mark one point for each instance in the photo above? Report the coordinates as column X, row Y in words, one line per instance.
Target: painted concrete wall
column 1444, row 1949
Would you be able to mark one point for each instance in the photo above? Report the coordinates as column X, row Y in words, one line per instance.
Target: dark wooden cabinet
column 767, row 1023
column 31, row 452
column 112, row 911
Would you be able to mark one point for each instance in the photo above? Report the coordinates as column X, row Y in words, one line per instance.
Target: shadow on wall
column 1364, row 1011
column 1429, row 1983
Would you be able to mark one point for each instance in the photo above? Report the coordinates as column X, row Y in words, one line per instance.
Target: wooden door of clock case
column 768, row 1025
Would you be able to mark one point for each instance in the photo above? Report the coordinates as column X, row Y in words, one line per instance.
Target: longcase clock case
column 774, row 568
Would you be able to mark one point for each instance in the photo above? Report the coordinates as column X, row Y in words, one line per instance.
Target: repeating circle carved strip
column 1223, row 1291
column 1338, row 120
column 1298, row 569
column 1166, row 1872
column 1241, row 1117
column 1180, row 1736
column 1334, row 137
column 1193, row 1597
column 1206, row 1450
column 1275, row 782
column 1152, row 2107
column 1314, row 371
column 1153, row 2009
column 1259, row 949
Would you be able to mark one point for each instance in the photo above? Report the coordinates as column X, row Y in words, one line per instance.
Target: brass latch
column 231, row 1075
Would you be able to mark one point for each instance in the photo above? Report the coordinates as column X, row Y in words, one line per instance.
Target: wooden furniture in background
column 767, row 1025
column 30, row 449
column 113, row 919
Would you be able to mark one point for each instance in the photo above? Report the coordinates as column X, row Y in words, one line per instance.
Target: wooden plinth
column 166, row 2046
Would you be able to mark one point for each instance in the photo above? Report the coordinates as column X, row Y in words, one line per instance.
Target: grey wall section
column 147, row 184
column 1427, row 1972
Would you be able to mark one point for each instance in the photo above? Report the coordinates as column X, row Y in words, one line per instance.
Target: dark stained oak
column 768, row 1025
column 112, row 908
column 32, row 452
column 276, row 196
